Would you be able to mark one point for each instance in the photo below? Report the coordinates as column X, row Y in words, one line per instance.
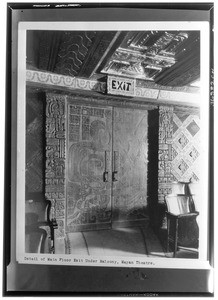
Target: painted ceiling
column 168, row 58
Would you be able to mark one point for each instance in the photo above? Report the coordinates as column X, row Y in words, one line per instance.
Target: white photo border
column 57, row 259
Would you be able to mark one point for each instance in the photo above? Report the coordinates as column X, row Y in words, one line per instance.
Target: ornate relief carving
column 74, row 83
column 49, row 78
column 55, row 156
column 165, row 151
column 64, row 81
column 186, row 145
column 145, row 54
column 73, row 49
column 179, row 96
column 179, row 148
column 102, row 44
column 146, row 93
column 130, row 165
column 88, row 195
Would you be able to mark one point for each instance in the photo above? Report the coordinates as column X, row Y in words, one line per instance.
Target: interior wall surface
column 174, row 149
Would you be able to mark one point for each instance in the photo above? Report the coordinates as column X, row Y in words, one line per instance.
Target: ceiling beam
column 104, row 45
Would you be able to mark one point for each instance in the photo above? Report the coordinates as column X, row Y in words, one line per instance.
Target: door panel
column 130, row 165
column 89, row 148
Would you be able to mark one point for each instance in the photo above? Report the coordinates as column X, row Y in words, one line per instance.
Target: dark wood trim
column 105, row 44
column 113, row 48
column 152, row 184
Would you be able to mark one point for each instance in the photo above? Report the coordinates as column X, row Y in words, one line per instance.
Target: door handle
column 115, row 166
column 114, row 176
column 105, row 176
column 106, row 163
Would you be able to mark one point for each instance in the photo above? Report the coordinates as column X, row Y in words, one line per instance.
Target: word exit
column 121, row 86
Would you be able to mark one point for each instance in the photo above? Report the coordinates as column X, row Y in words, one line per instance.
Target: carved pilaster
column 55, row 158
column 165, row 151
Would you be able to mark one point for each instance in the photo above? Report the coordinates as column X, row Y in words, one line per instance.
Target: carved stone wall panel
column 55, row 157
column 89, row 145
column 74, row 47
column 102, row 44
column 179, row 148
column 130, row 165
column 165, row 151
column 63, row 81
column 186, row 147
column 146, row 93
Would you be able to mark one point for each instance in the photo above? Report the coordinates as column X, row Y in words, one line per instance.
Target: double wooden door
column 106, row 167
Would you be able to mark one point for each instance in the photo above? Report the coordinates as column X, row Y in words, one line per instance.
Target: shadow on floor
column 132, row 241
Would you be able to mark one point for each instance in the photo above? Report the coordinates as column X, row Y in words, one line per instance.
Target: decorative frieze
column 64, row 81
column 181, row 97
column 146, row 93
column 45, row 79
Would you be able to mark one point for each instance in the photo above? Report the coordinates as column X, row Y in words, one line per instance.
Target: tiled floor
column 134, row 241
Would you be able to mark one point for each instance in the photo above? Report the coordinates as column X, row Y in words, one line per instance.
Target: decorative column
column 165, row 151
column 55, row 159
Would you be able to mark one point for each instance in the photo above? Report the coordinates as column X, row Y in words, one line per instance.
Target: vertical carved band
column 55, row 158
column 165, row 151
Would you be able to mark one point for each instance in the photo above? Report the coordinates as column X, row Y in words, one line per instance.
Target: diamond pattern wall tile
column 175, row 127
column 193, row 128
column 186, row 147
column 195, row 177
column 194, row 153
column 182, row 140
column 179, row 148
column 182, row 166
column 174, row 153
column 182, row 116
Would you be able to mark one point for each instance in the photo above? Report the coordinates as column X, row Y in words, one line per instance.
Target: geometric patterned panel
column 186, row 147
column 179, row 149
column 73, row 50
column 194, row 153
column 193, row 128
column 175, row 127
column 174, row 153
column 181, row 116
column 166, row 152
column 182, row 141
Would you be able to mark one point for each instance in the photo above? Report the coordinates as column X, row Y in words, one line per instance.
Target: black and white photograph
column 112, row 144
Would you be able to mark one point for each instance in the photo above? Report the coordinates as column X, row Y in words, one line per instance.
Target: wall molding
column 58, row 81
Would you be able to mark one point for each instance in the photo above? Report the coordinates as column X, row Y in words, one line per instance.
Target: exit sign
column 120, row 86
